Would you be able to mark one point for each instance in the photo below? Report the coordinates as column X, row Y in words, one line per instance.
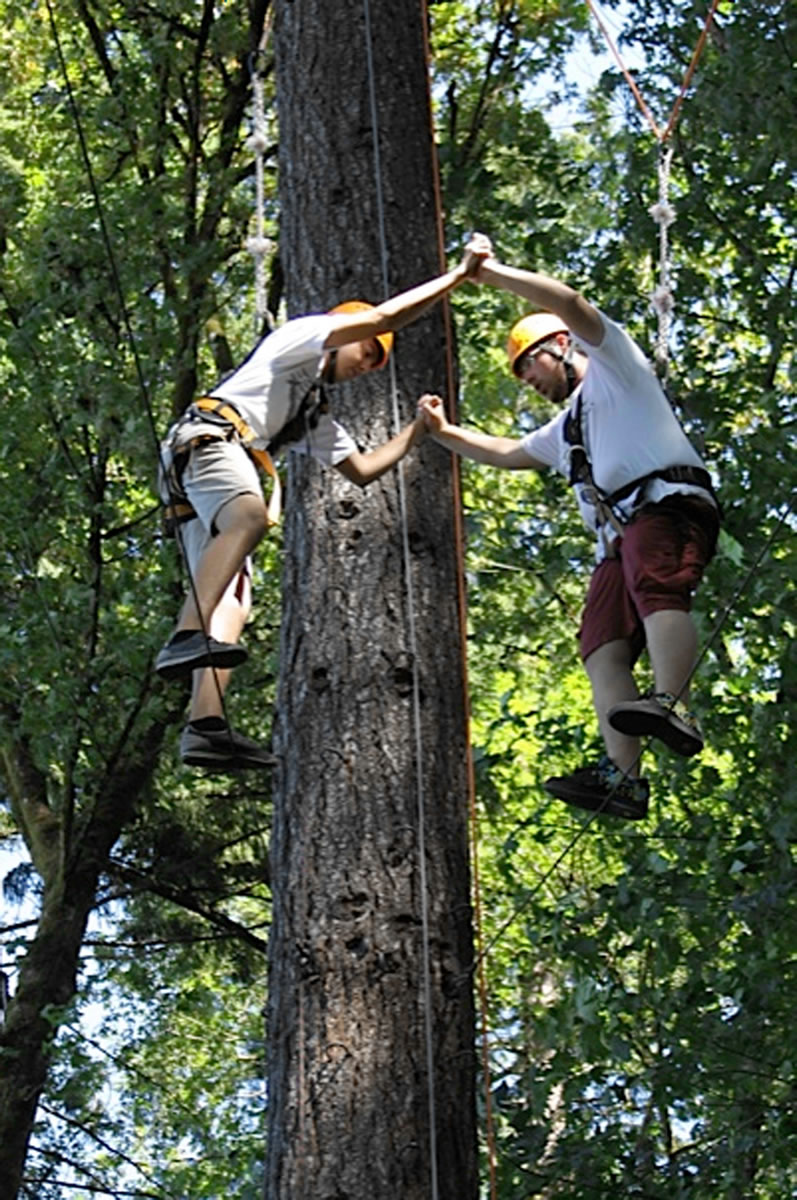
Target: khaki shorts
column 216, row 472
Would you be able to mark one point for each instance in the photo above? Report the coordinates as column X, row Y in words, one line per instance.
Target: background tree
column 87, row 592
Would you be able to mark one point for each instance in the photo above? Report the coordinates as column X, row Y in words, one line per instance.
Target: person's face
column 545, row 372
column 357, row 359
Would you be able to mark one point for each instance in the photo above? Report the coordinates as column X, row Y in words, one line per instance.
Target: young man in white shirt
column 211, row 486
column 642, row 488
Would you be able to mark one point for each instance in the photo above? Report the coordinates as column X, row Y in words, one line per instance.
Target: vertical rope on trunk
column 412, row 637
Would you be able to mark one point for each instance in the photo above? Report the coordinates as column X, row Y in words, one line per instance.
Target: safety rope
column 144, row 391
column 662, row 134
column 459, row 555
column 412, row 638
column 741, row 588
column 259, row 246
column 662, row 298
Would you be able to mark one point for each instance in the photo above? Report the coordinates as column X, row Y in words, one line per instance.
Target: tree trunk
column 351, row 1102
column 46, row 983
column 48, row 975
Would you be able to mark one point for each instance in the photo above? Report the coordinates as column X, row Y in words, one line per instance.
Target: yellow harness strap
column 261, row 457
column 175, row 514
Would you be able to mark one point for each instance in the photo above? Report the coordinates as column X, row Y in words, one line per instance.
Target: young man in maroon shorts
column 643, row 490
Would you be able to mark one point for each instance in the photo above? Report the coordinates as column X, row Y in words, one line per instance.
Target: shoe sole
column 221, row 660
column 233, row 762
column 610, row 807
column 643, row 724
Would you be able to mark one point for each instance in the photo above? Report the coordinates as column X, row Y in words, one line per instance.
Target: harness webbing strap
column 227, row 412
column 177, row 512
column 581, row 468
column 678, row 474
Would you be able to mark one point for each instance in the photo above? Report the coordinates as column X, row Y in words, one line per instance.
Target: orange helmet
column 530, row 331
column 385, row 340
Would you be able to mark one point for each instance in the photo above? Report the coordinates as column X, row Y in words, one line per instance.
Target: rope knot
column 662, row 213
column 259, row 245
column 257, row 142
column 663, row 300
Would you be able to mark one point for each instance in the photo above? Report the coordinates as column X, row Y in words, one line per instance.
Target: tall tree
column 81, row 722
column 371, row 942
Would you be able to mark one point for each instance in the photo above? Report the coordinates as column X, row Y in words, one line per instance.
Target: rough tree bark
column 348, row 1098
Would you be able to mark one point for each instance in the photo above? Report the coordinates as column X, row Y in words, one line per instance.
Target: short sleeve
column 329, row 442
column 546, row 443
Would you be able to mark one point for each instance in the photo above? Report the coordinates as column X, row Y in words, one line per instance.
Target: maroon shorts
column 660, row 561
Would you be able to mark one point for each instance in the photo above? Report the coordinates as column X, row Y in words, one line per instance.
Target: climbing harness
column 605, row 503
column 232, row 426
column 607, row 514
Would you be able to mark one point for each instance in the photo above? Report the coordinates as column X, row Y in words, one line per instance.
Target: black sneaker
column 222, row 750
column 182, row 655
column 602, row 788
column 662, row 716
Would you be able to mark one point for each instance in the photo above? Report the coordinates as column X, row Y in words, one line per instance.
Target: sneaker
column 182, row 655
column 222, row 750
column 602, row 788
column 663, row 716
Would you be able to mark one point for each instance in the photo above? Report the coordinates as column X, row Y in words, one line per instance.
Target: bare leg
column 227, row 622
column 609, row 671
column 672, row 646
column 241, row 524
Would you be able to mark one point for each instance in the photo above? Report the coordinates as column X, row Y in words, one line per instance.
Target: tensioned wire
column 412, row 637
column 522, row 905
column 473, row 815
column 128, row 327
column 662, row 136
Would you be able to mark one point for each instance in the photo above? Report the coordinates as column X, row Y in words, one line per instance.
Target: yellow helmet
column 529, row 331
column 385, row 340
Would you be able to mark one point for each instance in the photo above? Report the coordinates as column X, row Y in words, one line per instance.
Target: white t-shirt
column 269, row 386
column 628, row 426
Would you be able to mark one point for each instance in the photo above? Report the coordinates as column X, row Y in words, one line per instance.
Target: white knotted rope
column 662, row 298
column 259, row 246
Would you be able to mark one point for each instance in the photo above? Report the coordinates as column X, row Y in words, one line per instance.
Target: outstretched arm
column 364, row 468
column 401, row 310
column 480, row 447
column 580, row 317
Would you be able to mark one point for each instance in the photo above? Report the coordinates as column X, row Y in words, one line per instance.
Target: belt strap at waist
column 175, row 513
column 696, row 476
